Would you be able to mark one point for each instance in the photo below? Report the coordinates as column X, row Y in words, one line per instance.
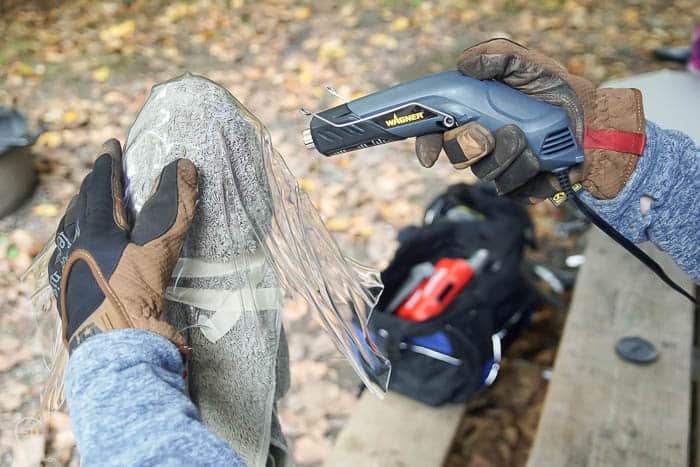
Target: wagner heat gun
column 439, row 102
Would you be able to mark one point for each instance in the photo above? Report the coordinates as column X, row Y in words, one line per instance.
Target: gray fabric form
column 236, row 380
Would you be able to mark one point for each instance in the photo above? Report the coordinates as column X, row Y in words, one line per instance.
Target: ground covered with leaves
column 84, row 68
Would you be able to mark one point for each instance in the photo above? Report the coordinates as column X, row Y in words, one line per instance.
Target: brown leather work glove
column 608, row 123
column 106, row 275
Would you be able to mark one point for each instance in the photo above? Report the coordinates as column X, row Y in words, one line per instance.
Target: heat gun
column 437, row 103
column 442, row 101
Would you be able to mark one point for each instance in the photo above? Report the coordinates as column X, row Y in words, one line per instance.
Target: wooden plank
column 601, row 410
column 396, row 432
column 695, row 424
column 695, row 436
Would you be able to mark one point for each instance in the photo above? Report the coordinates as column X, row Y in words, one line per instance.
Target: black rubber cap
column 637, row 350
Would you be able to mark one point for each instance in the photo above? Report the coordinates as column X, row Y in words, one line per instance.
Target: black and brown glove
column 609, row 125
column 106, row 275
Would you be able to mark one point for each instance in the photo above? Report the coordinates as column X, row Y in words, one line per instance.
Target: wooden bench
column 396, row 432
column 599, row 411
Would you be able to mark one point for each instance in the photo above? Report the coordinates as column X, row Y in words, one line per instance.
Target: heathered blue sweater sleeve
column 669, row 173
column 128, row 405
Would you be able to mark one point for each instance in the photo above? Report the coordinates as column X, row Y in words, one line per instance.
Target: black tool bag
column 449, row 357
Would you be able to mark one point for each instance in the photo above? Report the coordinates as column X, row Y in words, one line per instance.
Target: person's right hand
column 608, row 123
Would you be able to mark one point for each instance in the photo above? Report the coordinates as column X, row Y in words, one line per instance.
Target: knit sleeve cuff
column 117, row 350
column 650, row 178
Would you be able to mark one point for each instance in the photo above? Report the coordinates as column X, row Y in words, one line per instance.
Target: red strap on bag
column 614, row 140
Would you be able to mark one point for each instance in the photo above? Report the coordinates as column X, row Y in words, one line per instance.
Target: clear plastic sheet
column 255, row 238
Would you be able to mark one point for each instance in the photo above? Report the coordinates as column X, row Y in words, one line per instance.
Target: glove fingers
column 114, row 149
column 468, row 144
column 531, row 72
column 166, row 216
column 505, row 58
column 522, row 171
column 428, row 149
column 538, row 189
column 100, row 201
column 510, row 142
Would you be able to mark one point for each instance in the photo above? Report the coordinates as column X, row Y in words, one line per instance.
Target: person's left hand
column 106, row 275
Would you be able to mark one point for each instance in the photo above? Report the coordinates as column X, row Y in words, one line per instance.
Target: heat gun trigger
column 447, row 120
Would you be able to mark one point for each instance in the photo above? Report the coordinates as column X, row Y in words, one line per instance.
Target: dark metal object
column 678, row 54
column 17, row 174
column 637, row 350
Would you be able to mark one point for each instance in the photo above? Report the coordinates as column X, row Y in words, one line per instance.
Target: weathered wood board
column 396, row 432
column 601, row 410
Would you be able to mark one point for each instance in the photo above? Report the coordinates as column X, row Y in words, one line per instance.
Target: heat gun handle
column 545, row 126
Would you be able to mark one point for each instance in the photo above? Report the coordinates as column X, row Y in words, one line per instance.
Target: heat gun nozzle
column 308, row 139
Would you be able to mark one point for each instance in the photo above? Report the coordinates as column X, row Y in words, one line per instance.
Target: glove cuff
column 613, row 140
column 139, row 311
column 110, row 318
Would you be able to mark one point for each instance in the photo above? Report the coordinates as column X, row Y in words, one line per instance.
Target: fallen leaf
column 382, row 40
column 331, row 50
column 308, row 185
column 576, row 66
column 28, row 450
column 101, row 74
column 307, row 370
column 293, row 423
column 295, row 309
column 45, row 210
column 305, row 76
column 400, row 24
column 118, row 31
column 22, row 69
column 302, row 12
column 469, row 16
column 362, row 229
column 74, row 119
column 400, row 212
column 177, row 11
column 13, row 393
column 8, row 343
column 339, row 224
column 23, row 239
column 50, row 139
column 321, row 347
column 61, row 438
column 70, row 117
column 311, row 450
column 8, row 361
column 342, row 404
column 631, row 15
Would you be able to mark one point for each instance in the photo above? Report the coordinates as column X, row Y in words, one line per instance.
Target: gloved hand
column 106, row 275
column 608, row 123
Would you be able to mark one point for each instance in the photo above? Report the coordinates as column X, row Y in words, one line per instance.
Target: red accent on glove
column 614, row 140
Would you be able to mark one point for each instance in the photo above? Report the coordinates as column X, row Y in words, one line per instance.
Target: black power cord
column 565, row 183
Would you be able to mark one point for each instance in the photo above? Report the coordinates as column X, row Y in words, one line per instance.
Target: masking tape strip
column 193, row 267
column 227, row 305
